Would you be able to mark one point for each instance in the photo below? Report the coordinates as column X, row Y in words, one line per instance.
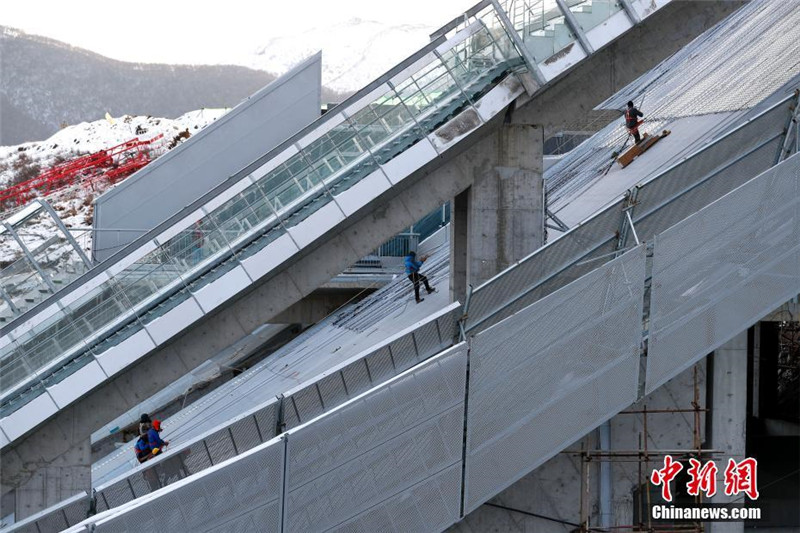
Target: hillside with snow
column 74, row 204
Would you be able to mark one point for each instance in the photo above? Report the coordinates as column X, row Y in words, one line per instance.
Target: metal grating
column 572, row 356
column 722, row 269
column 379, row 454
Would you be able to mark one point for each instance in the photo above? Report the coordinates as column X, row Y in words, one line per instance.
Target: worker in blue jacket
column 154, row 439
column 412, row 270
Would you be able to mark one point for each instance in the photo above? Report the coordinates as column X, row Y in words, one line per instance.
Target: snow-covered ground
column 74, row 205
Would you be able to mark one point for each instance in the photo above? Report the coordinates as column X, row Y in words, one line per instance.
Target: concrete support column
column 728, row 416
column 39, row 482
column 459, row 239
column 506, row 211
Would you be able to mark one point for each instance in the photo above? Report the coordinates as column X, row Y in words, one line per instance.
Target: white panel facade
column 218, row 291
column 363, row 192
column 126, row 352
column 174, row 321
column 28, row 416
column 75, row 385
column 316, row 224
column 722, row 269
column 270, row 256
column 399, row 167
column 564, row 60
column 609, row 30
column 499, row 97
column 565, row 363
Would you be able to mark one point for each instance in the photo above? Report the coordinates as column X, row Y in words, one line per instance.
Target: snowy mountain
column 354, row 52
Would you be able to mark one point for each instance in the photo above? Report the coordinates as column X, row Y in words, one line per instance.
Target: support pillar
column 506, row 211
column 38, row 482
column 729, row 417
column 459, row 248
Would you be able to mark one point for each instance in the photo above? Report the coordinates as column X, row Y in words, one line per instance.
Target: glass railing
column 356, row 141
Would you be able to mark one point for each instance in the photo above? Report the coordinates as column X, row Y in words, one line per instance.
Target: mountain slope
column 45, row 83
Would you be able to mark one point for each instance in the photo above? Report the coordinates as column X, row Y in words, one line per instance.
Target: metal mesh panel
column 245, row 491
column 700, row 195
column 709, row 174
column 267, row 420
column 723, row 268
column 356, row 377
column 332, row 390
column 307, row 402
column 404, row 353
column 534, row 277
column 245, row 434
column 426, row 339
column 220, row 446
column 550, row 373
column 360, row 458
column 427, row 506
column 380, row 364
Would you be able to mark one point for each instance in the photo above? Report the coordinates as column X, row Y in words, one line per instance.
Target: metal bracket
column 559, row 223
column 626, row 223
column 575, row 26
column 533, row 67
column 787, row 135
column 632, row 14
column 60, row 223
column 30, row 257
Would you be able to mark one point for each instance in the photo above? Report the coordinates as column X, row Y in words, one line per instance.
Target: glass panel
column 546, row 31
column 592, row 13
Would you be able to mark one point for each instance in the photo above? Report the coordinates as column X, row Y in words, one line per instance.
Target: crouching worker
column 150, row 442
column 154, row 440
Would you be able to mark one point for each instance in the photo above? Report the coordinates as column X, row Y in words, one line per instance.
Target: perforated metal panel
column 244, row 493
column 359, row 375
column 722, row 269
column 550, row 373
column 538, row 275
column 55, row 518
column 393, row 455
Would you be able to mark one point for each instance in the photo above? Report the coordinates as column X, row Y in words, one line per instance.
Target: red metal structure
column 110, row 166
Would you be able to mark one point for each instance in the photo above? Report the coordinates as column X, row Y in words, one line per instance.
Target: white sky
column 184, row 31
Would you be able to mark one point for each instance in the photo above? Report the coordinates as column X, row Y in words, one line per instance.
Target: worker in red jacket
column 632, row 121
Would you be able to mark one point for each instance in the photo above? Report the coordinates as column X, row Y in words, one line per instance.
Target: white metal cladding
column 722, row 269
column 393, row 454
column 550, row 373
column 244, row 495
column 536, row 276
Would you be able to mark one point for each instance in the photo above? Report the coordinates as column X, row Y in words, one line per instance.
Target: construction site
column 601, row 202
